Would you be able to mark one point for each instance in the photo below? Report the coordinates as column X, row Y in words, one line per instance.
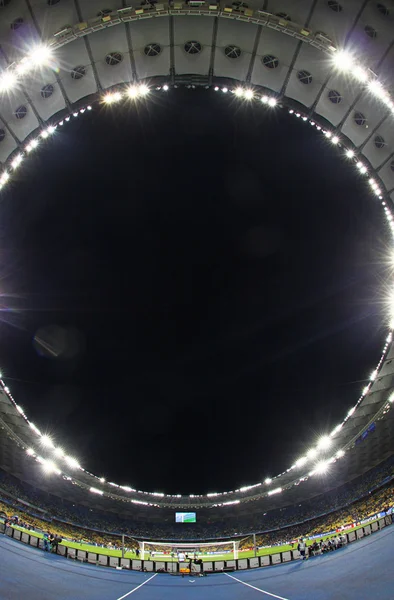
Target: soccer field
column 168, row 558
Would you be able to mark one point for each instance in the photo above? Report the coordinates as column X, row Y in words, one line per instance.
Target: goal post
column 186, row 551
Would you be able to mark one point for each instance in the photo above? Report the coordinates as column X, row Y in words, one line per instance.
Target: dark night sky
column 218, row 271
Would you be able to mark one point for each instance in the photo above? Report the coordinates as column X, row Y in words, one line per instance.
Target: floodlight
column 312, row 453
column 239, row 92
column 373, row 375
column 165, row 87
column 46, row 441
column 248, row 94
column 8, row 80
column 126, row 488
column 52, row 128
column 343, row 60
column 102, row 479
column 336, row 429
column 143, row 90
column 365, row 390
column 268, row 480
column 3, row 179
column 225, row 90
column 17, row 161
column 133, row 92
column 50, row 467
column 272, row 102
column 340, row 453
column 321, row 467
column 30, row 451
column 350, row 153
column 216, row 88
column 72, row 462
column 351, row 411
column 59, row 452
column 275, row 491
column 40, row 55
column 301, row 461
column 324, row 442
column 111, row 98
column 44, row 134
column 96, row 491
column 360, row 74
column 264, row 99
column 335, row 139
column 328, row 134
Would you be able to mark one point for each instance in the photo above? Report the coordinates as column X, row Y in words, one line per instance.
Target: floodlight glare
column 30, row 451
column 350, row 153
column 268, row 480
column 312, row 453
column 324, row 442
column 40, row 55
column 225, row 90
column 322, row 467
column 248, row 94
column 272, row 102
column 50, row 467
column 46, row 441
column 335, row 139
column 275, row 491
column 239, row 92
column 133, row 92
column 143, row 90
column 72, row 462
column 165, row 87
column 340, row 453
column 343, row 60
column 8, row 80
column 96, row 491
column 301, row 461
column 17, row 161
column 112, row 98
column 360, row 74
column 351, row 411
column 59, row 452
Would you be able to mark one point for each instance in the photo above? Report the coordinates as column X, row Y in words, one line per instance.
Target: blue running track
column 363, row 570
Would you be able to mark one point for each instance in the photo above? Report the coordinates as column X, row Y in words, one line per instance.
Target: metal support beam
column 172, row 50
column 213, row 50
column 89, row 50
column 254, row 52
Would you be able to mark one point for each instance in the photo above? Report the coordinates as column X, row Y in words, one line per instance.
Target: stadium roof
column 327, row 61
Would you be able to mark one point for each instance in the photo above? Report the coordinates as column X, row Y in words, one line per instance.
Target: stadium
column 329, row 65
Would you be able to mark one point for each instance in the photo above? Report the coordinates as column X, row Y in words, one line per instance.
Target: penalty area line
column 138, row 587
column 255, row 588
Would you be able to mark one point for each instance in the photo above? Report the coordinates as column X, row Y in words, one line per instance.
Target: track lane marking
column 254, row 588
column 138, row 587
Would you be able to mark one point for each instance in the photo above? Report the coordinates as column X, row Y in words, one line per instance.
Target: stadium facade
column 329, row 63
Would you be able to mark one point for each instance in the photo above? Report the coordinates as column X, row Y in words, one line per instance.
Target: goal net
column 184, row 552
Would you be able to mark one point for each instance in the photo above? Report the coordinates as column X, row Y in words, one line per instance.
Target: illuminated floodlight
column 291, row 111
column 75, row 114
column 89, row 107
column 328, row 134
column 340, row 453
column 40, row 55
column 372, row 182
column 17, row 161
column 112, row 98
column 301, row 461
column 321, row 467
column 133, row 92
column 376, row 88
column 350, row 153
column 239, row 92
column 336, row 429
column 96, row 491
column 59, row 452
column 225, row 90
column 44, row 134
column 47, row 441
column 272, row 102
column 72, row 462
column 31, row 145
column 373, row 375
column 216, row 88
column 275, row 491
column 8, row 81
column 50, row 467
column 51, row 129
column 126, row 488
column 360, row 74
column 3, row 179
column 144, row 90
column 102, row 480
column 268, row 480
column 335, row 139
column 249, row 94
column 165, row 87
column 30, row 451
column 343, row 60
column 312, row 453
column 351, row 411
column 365, row 390
column 324, row 442
column 264, row 99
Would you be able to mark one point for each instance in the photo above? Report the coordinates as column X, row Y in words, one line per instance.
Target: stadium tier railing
column 176, row 568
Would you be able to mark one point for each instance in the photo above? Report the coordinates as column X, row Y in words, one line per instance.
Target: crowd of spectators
column 322, row 513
